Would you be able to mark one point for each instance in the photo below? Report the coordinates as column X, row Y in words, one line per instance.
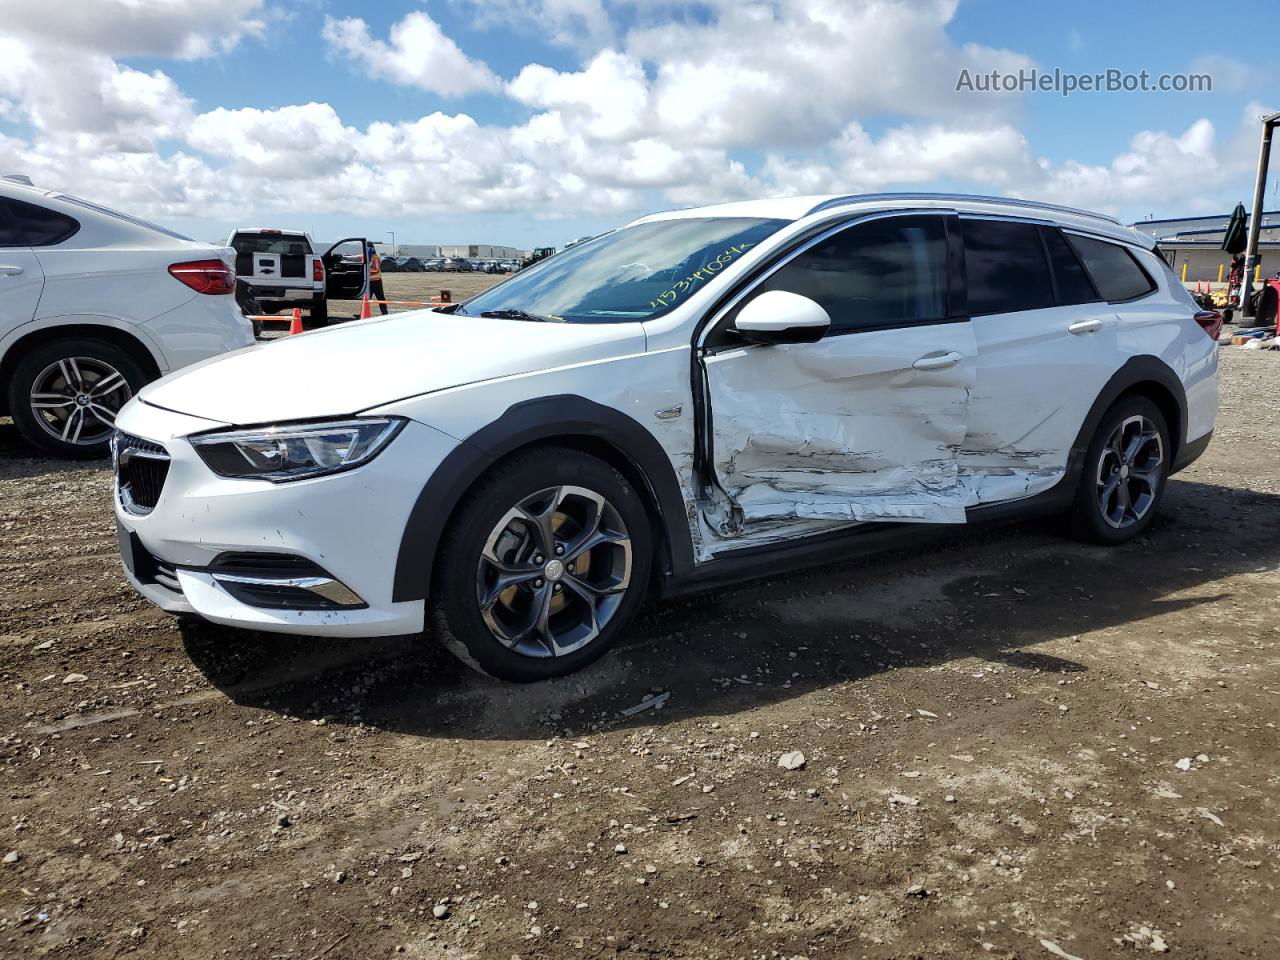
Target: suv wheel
column 1124, row 475
column 65, row 395
column 543, row 567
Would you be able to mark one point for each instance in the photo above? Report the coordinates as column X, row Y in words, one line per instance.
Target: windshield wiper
column 513, row 314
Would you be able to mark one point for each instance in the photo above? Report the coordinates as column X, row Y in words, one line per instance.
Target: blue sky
column 542, row 120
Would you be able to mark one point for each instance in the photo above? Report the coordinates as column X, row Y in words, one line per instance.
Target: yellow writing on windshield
column 709, row 269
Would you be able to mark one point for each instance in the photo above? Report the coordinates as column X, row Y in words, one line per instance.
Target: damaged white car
column 701, row 396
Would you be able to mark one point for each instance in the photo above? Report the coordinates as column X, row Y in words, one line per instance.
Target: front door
column 863, row 425
column 346, row 270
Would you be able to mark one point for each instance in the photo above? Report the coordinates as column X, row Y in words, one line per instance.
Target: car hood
column 349, row 368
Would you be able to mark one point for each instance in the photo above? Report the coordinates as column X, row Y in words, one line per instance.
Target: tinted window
column 41, row 227
column 10, row 236
column 1005, row 267
column 1070, row 281
column 1114, row 271
column 269, row 243
column 874, row 274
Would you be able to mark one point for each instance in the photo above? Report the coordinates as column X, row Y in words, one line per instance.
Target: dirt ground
column 1015, row 746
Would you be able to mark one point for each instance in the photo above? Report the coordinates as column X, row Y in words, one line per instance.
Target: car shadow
column 991, row 593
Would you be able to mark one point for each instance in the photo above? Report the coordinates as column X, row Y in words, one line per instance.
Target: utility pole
column 1255, row 218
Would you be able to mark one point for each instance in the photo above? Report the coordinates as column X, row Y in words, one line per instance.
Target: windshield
column 636, row 273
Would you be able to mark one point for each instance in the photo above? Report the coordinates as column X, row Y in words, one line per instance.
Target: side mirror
column 777, row 316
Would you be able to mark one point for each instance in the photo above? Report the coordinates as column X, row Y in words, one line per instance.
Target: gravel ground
column 1013, row 746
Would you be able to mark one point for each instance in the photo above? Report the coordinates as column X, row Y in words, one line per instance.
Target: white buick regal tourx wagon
column 700, row 396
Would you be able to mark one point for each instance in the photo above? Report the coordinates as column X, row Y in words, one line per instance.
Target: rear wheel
column 65, row 395
column 1124, row 476
column 543, row 568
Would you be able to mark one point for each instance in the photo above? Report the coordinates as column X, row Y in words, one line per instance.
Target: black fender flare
column 531, row 421
column 1134, row 372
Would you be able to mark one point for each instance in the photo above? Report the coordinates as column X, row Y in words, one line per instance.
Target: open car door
column 346, row 270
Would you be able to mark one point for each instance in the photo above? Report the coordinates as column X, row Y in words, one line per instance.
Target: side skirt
column 750, row 563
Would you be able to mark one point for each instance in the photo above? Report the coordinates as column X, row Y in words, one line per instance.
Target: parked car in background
column 456, row 265
column 434, row 265
column 283, row 269
column 411, row 265
column 701, row 396
column 94, row 304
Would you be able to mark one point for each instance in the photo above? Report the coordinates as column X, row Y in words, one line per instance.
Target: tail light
column 317, row 270
column 1210, row 322
column 206, row 276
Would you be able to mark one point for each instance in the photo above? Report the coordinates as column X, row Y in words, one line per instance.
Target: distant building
column 1195, row 242
column 479, row 251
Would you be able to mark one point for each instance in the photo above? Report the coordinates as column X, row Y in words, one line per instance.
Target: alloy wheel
column 76, row 399
column 1129, row 472
column 554, row 571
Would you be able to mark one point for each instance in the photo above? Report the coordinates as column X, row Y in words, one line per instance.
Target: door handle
column 938, row 361
column 9, row 271
column 1092, row 325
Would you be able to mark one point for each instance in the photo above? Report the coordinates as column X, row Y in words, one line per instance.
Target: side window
column 1005, row 267
column 1069, row 279
column 874, row 274
column 1114, row 271
column 10, row 235
column 41, row 227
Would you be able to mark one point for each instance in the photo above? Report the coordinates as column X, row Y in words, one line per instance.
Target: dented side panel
column 813, row 436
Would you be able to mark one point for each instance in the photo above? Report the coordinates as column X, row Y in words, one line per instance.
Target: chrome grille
column 141, row 468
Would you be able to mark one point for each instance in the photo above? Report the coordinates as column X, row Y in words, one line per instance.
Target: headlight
column 296, row 451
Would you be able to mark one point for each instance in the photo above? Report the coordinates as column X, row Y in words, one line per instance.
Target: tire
column 497, row 631
column 319, row 315
column 1124, row 471
column 62, row 372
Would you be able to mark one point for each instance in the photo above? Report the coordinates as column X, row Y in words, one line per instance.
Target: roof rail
column 964, row 197
column 18, row 178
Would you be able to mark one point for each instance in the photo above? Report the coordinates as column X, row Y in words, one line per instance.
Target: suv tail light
column 1210, row 322
column 205, row 276
column 317, row 270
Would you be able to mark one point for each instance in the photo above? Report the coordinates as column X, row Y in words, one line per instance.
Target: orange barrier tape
column 286, row 318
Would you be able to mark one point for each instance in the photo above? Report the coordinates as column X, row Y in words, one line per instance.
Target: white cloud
column 122, row 28
column 580, row 24
column 419, row 54
column 753, row 99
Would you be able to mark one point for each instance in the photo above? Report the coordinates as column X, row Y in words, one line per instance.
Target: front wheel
column 543, row 568
column 1124, row 474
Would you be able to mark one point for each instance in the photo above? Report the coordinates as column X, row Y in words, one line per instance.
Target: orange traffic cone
column 365, row 312
column 295, row 325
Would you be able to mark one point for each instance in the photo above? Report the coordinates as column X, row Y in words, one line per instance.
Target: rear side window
column 1114, row 271
column 1069, row 279
column 40, row 226
column 117, row 215
column 10, row 235
column 1005, row 267
column 270, row 243
column 874, row 274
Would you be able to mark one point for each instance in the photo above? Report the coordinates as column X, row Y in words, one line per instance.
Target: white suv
column 700, row 396
column 93, row 305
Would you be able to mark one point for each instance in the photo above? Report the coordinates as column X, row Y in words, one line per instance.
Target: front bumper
column 348, row 524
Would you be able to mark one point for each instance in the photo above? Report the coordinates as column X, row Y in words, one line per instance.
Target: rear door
column 863, row 425
column 1046, row 347
column 21, row 277
column 346, row 270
